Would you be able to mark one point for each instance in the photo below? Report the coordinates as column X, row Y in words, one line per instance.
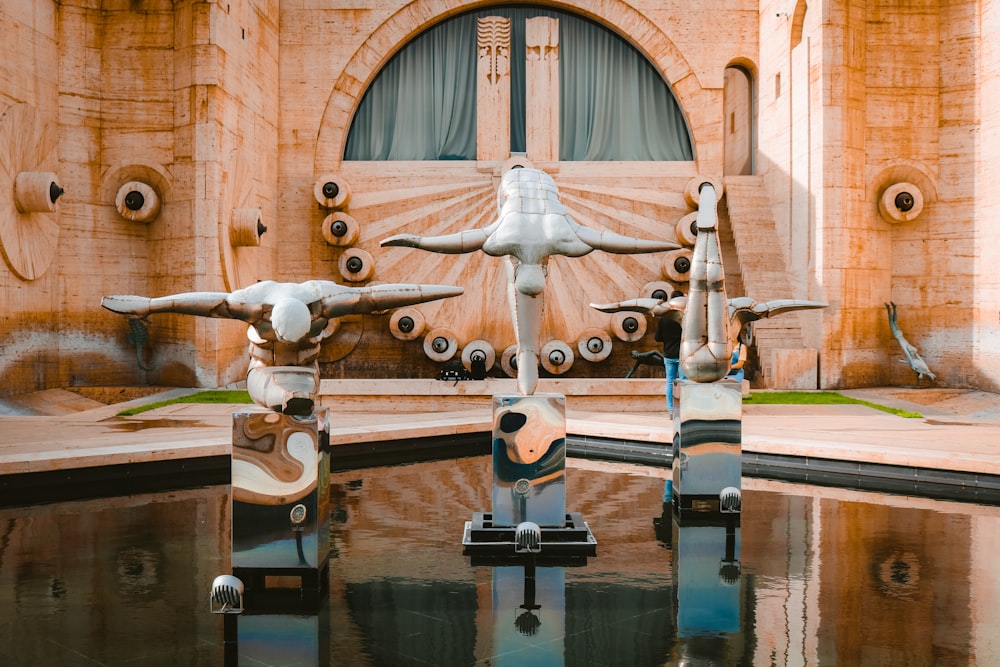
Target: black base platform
column 312, row 588
column 486, row 542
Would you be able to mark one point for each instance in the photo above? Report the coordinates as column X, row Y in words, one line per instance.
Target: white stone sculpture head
column 290, row 320
column 529, row 279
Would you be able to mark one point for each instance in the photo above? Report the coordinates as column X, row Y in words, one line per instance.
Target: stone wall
column 871, row 96
column 633, row 198
column 243, row 105
column 172, row 95
column 30, row 311
column 984, row 264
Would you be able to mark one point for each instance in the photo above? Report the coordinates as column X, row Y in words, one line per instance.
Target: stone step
column 761, row 265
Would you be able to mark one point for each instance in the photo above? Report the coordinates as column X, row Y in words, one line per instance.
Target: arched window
column 614, row 105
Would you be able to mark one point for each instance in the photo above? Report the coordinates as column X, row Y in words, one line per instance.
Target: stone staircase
column 761, row 266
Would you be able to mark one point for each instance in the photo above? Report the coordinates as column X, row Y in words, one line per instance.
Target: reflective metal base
column 281, row 501
column 707, row 464
column 529, row 488
column 529, row 459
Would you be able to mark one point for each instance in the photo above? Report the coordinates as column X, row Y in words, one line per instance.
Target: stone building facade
column 230, row 116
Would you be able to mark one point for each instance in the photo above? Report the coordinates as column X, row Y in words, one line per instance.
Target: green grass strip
column 208, row 396
column 759, row 398
column 819, row 398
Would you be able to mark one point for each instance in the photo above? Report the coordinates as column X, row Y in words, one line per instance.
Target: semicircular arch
column 398, row 29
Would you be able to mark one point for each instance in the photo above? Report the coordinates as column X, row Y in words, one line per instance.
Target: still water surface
column 813, row 576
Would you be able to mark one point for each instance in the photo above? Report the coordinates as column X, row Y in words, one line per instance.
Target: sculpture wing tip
column 605, row 307
column 640, row 305
column 126, row 304
column 399, row 240
column 442, row 291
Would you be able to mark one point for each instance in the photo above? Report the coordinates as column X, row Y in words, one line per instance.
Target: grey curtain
column 614, row 104
column 422, row 106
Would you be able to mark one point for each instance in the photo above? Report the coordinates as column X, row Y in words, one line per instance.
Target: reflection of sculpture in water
column 913, row 358
column 531, row 226
column 536, row 453
column 529, row 460
column 287, row 323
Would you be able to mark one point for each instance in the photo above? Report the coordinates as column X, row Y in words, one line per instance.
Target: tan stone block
column 794, row 369
column 866, row 287
column 958, row 105
column 913, row 107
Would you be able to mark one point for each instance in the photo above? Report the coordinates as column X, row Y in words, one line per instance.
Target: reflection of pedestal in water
column 280, row 519
column 529, row 615
column 707, row 465
column 708, row 584
column 529, row 482
column 282, row 628
column 285, row 635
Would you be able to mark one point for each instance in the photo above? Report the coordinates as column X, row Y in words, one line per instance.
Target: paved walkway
column 960, row 430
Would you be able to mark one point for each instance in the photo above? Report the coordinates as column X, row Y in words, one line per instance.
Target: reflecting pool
column 813, row 576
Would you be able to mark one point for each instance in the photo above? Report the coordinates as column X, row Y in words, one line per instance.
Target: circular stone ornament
column 692, row 191
column 407, row 324
column 901, row 202
column 677, row 265
column 440, row 344
column 28, row 145
column 686, row 229
column 658, row 289
column 594, row 345
column 332, row 191
column 137, row 201
column 508, row 361
column 340, row 229
column 479, row 349
column 238, row 218
column 628, row 326
column 356, row 265
column 246, row 227
column 556, row 357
